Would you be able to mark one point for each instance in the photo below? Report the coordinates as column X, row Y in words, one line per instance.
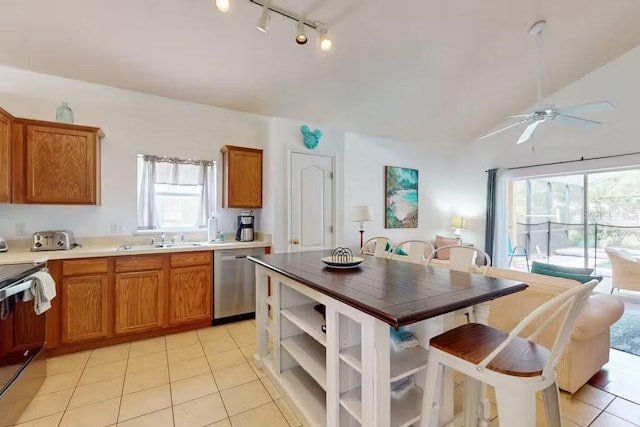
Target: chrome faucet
column 162, row 239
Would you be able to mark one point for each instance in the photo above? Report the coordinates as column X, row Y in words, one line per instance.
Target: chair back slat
column 461, row 257
column 377, row 246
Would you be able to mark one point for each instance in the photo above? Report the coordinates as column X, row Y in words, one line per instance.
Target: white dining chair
column 516, row 367
column 379, row 246
column 461, row 257
column 415, row 251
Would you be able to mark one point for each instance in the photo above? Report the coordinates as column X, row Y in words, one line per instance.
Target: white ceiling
column 414, row 70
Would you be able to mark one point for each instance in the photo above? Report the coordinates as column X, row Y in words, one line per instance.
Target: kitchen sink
column 160, row 246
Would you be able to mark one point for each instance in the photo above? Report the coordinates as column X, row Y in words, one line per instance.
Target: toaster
column 53, row 240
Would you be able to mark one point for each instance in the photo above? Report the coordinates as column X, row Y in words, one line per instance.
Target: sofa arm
column 599, row 314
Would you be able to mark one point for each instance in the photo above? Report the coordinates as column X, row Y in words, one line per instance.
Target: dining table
column 324, row 333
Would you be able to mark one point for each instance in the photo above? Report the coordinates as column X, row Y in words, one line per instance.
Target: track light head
column 325, row 41
column 223, row 5
column 264, row 18
column 301, row 37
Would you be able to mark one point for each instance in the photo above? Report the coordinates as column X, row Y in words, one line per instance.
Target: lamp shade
column 361, row 213
column 458, row 223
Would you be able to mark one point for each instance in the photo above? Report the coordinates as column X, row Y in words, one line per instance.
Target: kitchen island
column 341, row 375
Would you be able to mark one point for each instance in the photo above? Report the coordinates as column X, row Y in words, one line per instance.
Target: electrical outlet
column 115, row 227
column 21, row 228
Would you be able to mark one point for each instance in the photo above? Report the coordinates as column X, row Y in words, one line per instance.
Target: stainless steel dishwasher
column 234, row 289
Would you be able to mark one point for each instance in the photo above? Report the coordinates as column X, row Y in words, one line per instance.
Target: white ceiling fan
column 545, row 113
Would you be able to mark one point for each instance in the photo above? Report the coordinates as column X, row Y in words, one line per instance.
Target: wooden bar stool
column 517, row 367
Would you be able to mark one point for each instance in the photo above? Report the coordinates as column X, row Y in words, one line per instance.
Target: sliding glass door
column 568, row 220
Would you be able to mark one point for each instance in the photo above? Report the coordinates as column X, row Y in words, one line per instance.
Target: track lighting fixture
column 222, row 5
column 264, row 18
column 301, row 36
column 325, row 41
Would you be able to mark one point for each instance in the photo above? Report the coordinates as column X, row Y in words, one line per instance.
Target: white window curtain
column 173, row 171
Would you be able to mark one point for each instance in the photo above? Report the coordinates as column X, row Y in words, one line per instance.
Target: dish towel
column 402, row 338
column 42, row 291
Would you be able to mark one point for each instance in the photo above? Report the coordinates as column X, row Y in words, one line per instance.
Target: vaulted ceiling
column 416, row 70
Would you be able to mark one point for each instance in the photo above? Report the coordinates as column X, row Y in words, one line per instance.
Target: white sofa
column 588, row 348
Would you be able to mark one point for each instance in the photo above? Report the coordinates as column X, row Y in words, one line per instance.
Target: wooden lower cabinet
column 138, row 302
column 85, row 308
column 190, row 292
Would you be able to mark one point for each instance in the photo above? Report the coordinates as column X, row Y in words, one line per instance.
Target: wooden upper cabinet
column 5, row 156
column 190, row 292
column 84, row 308
column 61, row 165
column 138, row 302
column 242, row 177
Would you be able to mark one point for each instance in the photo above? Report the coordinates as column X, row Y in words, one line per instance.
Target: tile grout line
column 124, row 381
column 84, row 368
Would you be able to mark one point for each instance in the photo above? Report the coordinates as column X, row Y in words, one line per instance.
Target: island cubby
column 313, row 370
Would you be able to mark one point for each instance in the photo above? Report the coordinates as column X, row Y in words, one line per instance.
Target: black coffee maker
column 245, row 227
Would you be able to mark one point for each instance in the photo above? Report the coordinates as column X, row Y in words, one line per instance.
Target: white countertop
column 96, row 248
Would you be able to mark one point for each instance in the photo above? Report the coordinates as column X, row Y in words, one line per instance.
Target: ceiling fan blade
column 504, row 128
column 586, row 108
column 528, row 132
column 585, row 123
column 519, row 116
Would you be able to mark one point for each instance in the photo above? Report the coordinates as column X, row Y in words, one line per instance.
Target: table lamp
column 458, row 223
column 361, row 214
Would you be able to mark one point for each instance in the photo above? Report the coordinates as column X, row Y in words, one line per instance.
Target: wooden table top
column 396, row 292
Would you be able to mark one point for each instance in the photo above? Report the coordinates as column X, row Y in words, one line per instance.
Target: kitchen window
column 175, row 194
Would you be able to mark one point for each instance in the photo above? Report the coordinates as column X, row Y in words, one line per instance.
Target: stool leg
column 472, row 388
column 516, row 406
column 433, row 384
column 552, row 405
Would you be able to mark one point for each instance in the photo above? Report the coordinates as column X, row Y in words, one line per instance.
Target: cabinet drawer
column 190, row 258
column 138, row 263
column 84, row 266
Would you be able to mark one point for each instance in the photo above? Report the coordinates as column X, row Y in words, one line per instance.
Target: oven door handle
column 15, row 289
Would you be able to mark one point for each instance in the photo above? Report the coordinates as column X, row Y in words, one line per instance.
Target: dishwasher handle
column 232, row 257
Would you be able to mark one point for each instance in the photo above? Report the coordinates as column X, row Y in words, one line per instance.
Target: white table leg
column 481, row 314
column 333, row 366
column 262, row 338
column 376, row 373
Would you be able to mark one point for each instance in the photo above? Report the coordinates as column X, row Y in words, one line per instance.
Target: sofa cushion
column 397, row 251
column 582, row 275
column 445, row 241
column 561, row 268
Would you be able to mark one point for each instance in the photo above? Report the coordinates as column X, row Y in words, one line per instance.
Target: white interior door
column 311, row 208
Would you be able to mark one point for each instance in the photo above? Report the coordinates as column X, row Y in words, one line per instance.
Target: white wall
column 365, row 161
column 134, row 123
column 285, row 138
column 615, row 82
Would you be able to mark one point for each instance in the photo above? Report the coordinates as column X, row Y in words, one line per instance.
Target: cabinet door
column 190, row 294
column 243, row 175
column 5, row 158
column 84, row 308
column 138, row 301
column 60, row 166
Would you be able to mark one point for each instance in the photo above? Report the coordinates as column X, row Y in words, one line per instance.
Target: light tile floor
column 207, row 378
column 197, row 378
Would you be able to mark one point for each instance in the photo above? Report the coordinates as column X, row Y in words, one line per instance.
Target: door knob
column 296, row 242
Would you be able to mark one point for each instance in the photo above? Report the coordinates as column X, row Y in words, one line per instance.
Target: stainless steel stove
column 22, row 341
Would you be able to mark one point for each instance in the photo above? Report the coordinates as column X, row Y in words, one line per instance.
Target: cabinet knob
column 296, row 242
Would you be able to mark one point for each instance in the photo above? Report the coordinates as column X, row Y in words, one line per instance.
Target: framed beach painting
column 401, row 197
